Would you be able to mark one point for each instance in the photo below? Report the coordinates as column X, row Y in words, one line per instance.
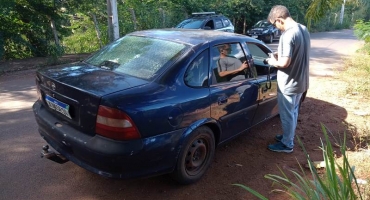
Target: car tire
column 195, row 157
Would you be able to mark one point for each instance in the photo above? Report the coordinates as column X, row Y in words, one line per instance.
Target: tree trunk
column 52, row 24
column 161, row 11
column 97, row 30
column 110, row 25
column 342, row 12
column 115, row 19
column 244, row 25
column 133, row 18
column 186, row 13
column 113, row 27
column 2, row 45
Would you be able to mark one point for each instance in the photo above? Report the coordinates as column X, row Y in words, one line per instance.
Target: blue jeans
column 288, row 110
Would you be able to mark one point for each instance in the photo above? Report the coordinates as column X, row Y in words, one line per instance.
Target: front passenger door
column 233, row 102
column 267, row 81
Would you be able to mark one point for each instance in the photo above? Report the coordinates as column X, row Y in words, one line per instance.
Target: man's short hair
column 278, row 11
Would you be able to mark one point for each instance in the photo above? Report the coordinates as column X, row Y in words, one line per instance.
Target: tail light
column 115, row 124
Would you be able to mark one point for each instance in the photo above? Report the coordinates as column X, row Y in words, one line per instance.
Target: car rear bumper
column 110, row 158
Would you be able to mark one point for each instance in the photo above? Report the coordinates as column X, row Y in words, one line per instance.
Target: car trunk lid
column 73, row 92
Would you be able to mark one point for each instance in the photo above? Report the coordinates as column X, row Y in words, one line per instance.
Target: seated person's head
column 225, row 48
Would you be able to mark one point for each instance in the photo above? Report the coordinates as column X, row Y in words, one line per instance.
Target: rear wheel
column 195, row 156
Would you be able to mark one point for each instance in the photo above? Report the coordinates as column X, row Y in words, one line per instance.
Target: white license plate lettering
column 58, row 106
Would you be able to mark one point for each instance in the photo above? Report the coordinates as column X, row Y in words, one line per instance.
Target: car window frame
column 213, row 62
column 259, row 60
column 226, row 21
column 206, row 60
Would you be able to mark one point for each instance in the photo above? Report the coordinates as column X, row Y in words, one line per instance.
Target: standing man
column 292, row 62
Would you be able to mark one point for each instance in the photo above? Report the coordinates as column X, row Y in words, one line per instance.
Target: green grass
column 357, row 74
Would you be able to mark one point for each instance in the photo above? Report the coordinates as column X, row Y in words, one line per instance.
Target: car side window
column 256, row 51
column 218, row 24
column 234, row 59
column 259, row 53
column 210, row 25
column 197, row 73
column 226, row 22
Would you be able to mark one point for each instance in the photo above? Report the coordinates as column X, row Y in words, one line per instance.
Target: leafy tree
column 318, row 9
column 34, row 27
column 26, row 27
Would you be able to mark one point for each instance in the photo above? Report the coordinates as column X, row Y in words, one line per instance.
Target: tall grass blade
column 255, row 193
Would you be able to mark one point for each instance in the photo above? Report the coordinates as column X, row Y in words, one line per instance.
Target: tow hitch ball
column 52, row 156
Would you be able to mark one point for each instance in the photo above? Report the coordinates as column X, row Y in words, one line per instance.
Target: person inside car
column 228, row 66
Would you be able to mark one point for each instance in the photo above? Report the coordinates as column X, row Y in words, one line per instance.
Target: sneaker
column 278, row 138
column 280, row 147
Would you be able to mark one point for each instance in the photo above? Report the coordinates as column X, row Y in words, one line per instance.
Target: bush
column 362, row 30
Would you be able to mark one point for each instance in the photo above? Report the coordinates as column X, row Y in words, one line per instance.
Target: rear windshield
column 262, row 24
column 191, row 24
column 141, row 57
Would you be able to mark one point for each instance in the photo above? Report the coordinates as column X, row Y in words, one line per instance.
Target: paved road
column 24, row 175
column 327, row 49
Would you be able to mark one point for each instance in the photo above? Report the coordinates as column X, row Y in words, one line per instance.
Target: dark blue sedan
column 153, row 103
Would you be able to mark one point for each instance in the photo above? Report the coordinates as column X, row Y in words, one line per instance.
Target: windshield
column 191, row 24
column 141, row 57
column 262, row 24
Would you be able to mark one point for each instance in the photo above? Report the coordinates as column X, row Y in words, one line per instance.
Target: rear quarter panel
column 166, row 104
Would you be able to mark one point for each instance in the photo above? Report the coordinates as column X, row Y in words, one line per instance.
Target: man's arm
column 284, row 57
column 282, row 62
column 241, row 68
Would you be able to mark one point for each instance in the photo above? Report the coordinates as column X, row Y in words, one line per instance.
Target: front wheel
column 195, row 157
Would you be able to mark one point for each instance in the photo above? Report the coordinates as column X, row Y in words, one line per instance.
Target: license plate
column 58, row 106
column 254, row 36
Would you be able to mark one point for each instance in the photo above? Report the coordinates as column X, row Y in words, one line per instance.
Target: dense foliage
column 25, row 28
column 30, row 28
column 362, row 30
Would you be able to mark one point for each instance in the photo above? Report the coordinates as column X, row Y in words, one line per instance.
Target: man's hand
column 272, row 61
column 275, row 54
column 283, row 62
column 243, row 66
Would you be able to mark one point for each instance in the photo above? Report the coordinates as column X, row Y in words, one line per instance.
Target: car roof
column 205, row 15
column 191, row 36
